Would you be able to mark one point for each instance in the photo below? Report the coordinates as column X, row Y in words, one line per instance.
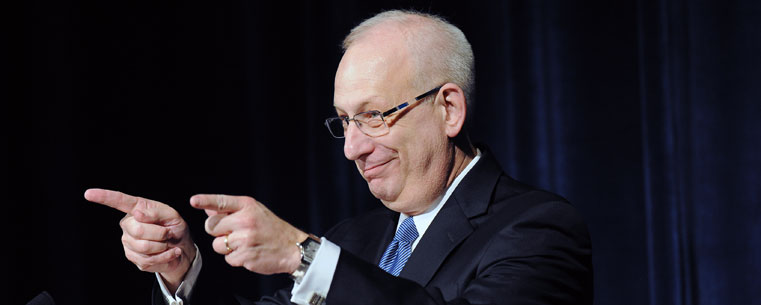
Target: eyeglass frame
column 378, row 112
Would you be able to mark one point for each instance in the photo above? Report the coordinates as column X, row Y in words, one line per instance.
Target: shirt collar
column 424, row 220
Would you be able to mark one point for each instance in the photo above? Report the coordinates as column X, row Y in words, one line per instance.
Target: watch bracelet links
column 299, row 273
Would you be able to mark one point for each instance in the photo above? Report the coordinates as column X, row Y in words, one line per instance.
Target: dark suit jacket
column 495, row 241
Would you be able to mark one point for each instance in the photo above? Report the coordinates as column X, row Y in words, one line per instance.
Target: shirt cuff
column 186, row 287
column 316, row 281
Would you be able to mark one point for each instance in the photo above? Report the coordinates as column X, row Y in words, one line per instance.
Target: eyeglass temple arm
column 405, row 104
column 395, row 109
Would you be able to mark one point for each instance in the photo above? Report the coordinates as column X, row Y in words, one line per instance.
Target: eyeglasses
column 373, row 122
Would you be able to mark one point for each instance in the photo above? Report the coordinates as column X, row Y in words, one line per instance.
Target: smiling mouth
column 374, row 168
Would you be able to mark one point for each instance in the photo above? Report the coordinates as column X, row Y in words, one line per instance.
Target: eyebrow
column 362, row 104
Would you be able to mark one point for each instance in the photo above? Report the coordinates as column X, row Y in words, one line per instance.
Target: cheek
column 427, row 144
column 416, row 145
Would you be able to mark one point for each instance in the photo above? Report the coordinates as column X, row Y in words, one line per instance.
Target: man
column 455, row 229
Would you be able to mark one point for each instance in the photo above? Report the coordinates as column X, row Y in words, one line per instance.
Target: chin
column 390, row 199
column 381, row 189
column 391, row 205
column 402, row 207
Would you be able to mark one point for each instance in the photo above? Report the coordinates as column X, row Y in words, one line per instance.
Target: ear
column 455, row 108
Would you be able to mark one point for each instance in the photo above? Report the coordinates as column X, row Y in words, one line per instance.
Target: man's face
column 407, row 169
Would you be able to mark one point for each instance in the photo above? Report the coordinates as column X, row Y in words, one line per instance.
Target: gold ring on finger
column 227, row 246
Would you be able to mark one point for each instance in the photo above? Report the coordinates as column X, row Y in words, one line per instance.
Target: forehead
column 373, row 73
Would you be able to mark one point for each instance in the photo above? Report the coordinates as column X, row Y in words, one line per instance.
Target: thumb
column 169, row 220
column 149, row 211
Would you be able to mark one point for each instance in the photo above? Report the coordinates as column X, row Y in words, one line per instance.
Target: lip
column 374, row 170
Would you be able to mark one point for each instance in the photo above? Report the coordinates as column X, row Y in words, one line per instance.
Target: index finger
column 114, row 199
column 219, row 203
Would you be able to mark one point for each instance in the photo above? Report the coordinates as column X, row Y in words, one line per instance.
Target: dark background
column 644, row 113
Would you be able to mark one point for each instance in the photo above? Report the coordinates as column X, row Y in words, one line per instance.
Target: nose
column 356, row 143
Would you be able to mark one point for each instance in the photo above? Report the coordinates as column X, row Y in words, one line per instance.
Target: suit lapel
column 449, row 228
column 452, row 225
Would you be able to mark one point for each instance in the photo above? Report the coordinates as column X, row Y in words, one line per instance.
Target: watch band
column 308, row 249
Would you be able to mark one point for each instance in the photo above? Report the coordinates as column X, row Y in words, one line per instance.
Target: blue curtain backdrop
column 646, row 114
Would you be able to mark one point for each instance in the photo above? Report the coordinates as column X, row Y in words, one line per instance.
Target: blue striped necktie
column 399, row 250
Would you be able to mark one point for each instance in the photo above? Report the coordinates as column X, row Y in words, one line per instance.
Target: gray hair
column 441, row 52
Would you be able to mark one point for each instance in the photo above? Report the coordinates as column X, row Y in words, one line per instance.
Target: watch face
column 310, row 247
column 308, row 250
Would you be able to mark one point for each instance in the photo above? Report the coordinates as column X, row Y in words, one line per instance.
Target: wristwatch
column 308, row 249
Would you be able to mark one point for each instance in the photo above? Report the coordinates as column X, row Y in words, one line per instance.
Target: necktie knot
column 400, row 249
column 407, row 231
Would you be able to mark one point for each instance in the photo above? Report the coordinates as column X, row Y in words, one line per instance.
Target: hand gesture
column 249, row 234
column 154, row 236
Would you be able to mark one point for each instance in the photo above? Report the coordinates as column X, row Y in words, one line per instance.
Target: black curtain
column 644, row 113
